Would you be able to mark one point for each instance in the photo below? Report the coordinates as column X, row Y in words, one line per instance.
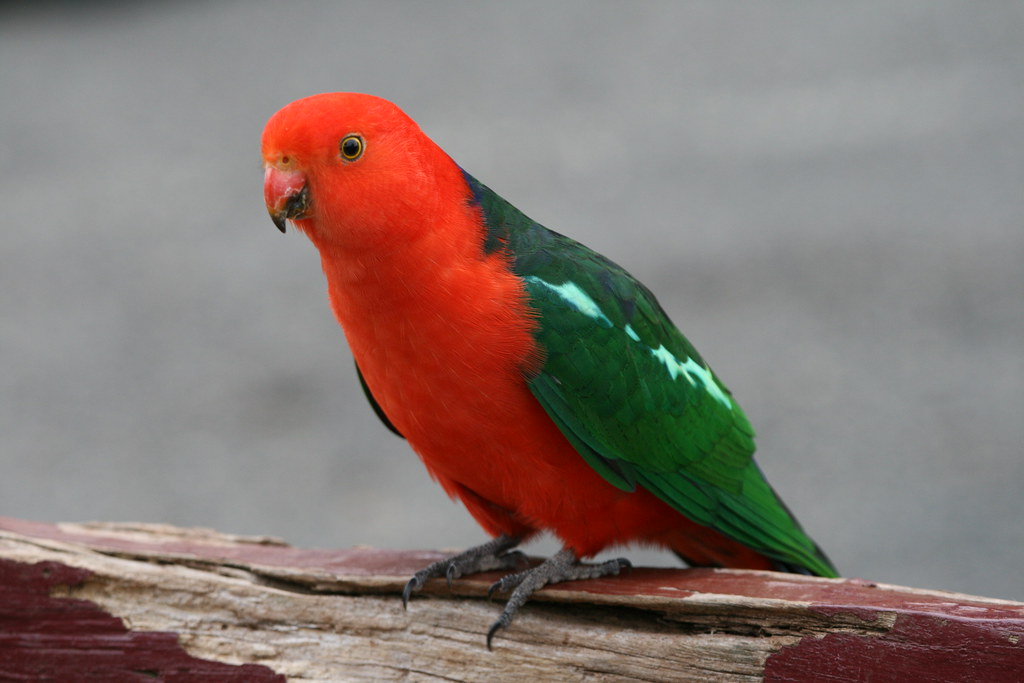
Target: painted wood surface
column 112, row 602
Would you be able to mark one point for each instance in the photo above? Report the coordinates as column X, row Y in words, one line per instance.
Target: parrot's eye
column 351, row 147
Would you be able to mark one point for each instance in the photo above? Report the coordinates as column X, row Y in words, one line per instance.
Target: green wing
column 634, row 397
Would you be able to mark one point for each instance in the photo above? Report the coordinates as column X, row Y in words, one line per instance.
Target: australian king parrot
column 540, row 383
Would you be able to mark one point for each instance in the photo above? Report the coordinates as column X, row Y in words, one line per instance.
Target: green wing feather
column 634, row 397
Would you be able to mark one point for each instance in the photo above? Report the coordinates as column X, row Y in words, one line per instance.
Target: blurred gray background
column 828, row 199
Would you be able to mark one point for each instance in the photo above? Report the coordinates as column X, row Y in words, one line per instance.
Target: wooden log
column 115, row 602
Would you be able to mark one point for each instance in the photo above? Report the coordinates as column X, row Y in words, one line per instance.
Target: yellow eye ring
column 351, row 147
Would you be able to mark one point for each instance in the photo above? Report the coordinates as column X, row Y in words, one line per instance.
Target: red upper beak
column 286, row 195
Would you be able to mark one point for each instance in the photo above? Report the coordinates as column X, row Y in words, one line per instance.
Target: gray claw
column 414, row 584
column 495, row 554
column 563, row 566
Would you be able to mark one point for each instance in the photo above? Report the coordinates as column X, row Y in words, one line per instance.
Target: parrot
column 542, row 385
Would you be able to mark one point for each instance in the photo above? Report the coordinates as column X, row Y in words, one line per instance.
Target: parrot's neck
column 406, row 270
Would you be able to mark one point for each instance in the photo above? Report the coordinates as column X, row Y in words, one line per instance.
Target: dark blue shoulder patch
column 495, row 227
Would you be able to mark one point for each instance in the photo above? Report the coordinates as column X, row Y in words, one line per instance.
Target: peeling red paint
column 43, row 638
column 347, row 562
column 828, row 596
column 920, row 646
column 933, row 636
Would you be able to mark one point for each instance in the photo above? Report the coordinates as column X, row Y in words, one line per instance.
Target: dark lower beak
column 295, row 207
column 286, row 195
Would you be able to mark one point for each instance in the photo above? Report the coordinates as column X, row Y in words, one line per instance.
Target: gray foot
column 494, row 554
column 562, row 566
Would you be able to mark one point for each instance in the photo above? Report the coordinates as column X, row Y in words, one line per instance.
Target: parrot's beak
column 286, row 195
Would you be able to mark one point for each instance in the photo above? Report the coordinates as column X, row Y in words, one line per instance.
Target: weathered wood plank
column 155, row 600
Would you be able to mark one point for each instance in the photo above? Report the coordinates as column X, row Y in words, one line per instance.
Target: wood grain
column 154, row 602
